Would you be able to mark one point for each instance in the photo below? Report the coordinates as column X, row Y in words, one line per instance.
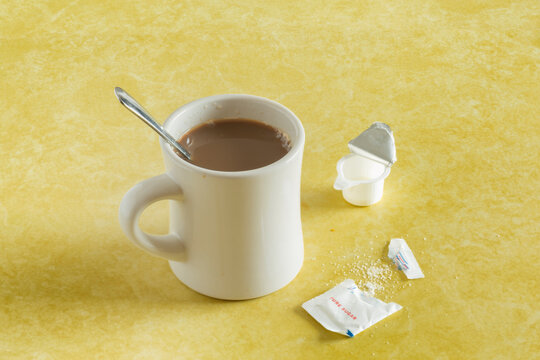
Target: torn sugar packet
column 347, row 310
column 400, row 253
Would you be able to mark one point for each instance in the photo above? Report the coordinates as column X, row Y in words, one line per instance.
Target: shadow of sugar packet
column 347, row 310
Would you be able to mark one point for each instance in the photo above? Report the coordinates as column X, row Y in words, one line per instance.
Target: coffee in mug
column 234, row 144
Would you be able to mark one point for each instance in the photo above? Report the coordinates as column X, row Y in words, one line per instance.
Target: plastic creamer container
column 361, row 173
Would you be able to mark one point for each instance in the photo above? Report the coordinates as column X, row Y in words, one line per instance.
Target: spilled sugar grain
column 375, row 277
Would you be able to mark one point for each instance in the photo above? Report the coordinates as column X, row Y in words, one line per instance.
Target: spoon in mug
column 132, row 105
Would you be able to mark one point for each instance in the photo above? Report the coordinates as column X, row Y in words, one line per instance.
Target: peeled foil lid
column 376, row 143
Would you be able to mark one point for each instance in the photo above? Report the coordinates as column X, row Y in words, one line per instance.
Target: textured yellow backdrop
column 458, row 81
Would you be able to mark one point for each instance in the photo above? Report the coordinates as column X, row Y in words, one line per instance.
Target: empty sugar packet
column 347, row 310
column 400, row 253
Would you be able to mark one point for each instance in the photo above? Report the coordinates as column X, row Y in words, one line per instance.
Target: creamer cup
column 361, row 173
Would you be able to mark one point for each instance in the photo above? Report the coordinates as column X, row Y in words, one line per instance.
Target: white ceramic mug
column 232, row 235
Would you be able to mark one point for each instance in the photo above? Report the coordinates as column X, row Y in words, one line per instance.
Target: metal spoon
column 132, row 105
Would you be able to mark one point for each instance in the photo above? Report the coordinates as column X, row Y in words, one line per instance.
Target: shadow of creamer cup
column 232, row 234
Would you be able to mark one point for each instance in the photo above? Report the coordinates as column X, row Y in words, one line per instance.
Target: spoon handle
column 132, row 105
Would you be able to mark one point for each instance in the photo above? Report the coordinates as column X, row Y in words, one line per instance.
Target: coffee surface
column 235, row 144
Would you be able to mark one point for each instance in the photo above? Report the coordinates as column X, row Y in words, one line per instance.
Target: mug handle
column 136, row 200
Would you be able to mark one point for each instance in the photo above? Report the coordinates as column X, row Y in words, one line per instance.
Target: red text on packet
column 340, row 306
column 335, row 302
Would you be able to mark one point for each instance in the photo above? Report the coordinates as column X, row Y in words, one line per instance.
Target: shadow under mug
column 232, row 235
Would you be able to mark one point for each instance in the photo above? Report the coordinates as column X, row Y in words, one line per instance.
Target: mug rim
column 287, row 158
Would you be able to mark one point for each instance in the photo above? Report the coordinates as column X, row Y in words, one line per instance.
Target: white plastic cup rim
column 362, row 184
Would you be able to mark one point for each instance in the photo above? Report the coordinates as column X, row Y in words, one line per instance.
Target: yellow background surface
column 458, row 82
